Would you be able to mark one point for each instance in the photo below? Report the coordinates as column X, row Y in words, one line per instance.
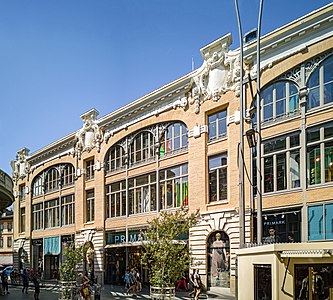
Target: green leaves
column 166, row 253
column 73, row 257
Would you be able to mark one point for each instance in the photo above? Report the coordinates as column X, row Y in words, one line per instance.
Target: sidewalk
column 119, row 292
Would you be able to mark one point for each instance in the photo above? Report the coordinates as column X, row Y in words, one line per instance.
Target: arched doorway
column 218, row 258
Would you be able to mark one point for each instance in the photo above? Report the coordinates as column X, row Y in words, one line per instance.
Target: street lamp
column 250, row 134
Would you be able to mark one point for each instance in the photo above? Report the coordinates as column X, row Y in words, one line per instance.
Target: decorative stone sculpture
column 219, row 73
column 90, row 135
column 20, row 166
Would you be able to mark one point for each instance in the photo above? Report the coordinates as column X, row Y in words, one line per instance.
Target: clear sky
column 60, row 58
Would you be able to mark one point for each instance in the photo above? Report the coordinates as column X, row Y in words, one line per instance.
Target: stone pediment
column 219, row 73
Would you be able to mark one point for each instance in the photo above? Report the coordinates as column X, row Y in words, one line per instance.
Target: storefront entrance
column 314, row 282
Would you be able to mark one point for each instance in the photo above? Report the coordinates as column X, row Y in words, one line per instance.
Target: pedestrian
column 192, row 283
column 132, row 287
column 127, row 279
column 197, row 284
column 4, row 280
column 25, row 281
column 138, row 281
column 36, row 282
column 85, row 287
column 182, row 281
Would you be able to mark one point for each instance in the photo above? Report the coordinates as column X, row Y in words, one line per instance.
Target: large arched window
column 173, row 139
column 142, row 147
column 278, row 100
column 53, row 178
column 115, row 159
column 320, row 84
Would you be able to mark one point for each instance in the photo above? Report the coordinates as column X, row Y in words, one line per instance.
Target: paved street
column 51, row 292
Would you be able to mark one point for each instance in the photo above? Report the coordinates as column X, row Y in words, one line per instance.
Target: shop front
column 123, row 252
column 286, row 271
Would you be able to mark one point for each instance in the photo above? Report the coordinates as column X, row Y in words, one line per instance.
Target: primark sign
column 119, row 237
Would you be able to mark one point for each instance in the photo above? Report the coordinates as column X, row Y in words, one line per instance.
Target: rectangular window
column 218, row 171
column 320, row 226
column 1, row 242
column 9, row 227
column 142, row 194
column 37, row 216
column 320, row 154
column 68, row 175
column 67, row 210
column 90, row 170
column 90, row 206
column 22, row 219
column 22, row 193
column 52, row 213
column 217, row 125
column 262, row 282
column 9, row 242
column 116, row 199
column 174, row 187
column 281, row 160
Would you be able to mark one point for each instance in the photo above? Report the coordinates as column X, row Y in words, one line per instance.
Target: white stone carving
column 90, row 135
column 219, row 73
column 197, row 130
column 20, row 166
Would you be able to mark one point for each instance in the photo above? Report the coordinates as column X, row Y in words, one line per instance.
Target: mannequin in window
column 218, row 256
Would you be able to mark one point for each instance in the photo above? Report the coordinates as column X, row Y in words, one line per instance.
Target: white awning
column 130, row 244
column 319, row 253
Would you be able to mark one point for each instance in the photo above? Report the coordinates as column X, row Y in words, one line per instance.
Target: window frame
column 221, row 172
column 215, row 122
column 90, row 205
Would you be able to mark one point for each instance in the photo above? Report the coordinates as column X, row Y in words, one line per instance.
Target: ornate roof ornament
column 219, row 73
column 20, row 166
column 90, row 135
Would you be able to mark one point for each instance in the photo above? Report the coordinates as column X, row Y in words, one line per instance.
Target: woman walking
column 197, row 284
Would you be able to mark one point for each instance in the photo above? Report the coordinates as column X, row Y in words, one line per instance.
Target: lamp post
column 259, row 177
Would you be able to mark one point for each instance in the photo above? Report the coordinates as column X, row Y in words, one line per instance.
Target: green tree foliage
column 73, row 257
column 164, row 252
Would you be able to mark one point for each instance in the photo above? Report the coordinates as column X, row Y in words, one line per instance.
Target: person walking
column 138, row 281
column 25, row 281
column 182, row 281
column 4, row 281
column 85, row 287
column 197, row 284
column 36, row 282
column 132, row 287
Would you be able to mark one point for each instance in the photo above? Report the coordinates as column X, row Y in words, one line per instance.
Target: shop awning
column 319, row 253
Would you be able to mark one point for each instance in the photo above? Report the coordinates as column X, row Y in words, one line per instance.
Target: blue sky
column 60, row 58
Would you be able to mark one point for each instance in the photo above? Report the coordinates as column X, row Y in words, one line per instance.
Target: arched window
column 115, row 159
column 218, row 250
column 51, row 180
column 174, row 138
column 37, row 186
column 320, row 84
column 278, row 100
column 142, row 147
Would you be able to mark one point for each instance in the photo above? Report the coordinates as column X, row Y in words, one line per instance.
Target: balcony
column 6, row 191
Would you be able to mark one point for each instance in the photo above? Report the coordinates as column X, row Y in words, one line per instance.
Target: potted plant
column 68, row 272
column 166, row 252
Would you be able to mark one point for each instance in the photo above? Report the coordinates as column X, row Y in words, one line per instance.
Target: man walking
column 4, row 280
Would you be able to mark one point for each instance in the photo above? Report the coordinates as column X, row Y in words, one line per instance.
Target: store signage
column 120, row 237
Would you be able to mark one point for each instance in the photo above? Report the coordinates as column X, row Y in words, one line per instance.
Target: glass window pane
column 329, row 221
column 313, row 135
column 294, row 169
column 213, row 186
column 328, row 92
column 294, row 140
column 268, row 175
column 281, row 172
column 316, row 223
column 329, row 162
column 314, row 165
column 328, row 131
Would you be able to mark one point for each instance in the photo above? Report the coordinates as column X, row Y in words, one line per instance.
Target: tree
column 73, row 257
column 165, row 253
